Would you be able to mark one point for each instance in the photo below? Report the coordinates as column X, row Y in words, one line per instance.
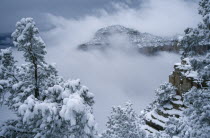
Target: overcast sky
column 12, row 10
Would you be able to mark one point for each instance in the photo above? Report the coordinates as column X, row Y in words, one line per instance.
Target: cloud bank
column 159, row 17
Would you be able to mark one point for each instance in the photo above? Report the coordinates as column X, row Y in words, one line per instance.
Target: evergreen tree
column 197, row 41
column 26, row 39
column 7, row 67
column 46, row 105
column 195, row 122
column 123, row 123
column 165, row 93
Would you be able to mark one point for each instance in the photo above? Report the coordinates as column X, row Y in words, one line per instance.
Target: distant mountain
column 145, row 42
column 5, row 40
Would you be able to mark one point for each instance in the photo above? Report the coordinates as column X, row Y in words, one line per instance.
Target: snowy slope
column 137, row 39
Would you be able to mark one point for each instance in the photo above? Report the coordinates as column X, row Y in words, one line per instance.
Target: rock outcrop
column 144, row 42
column 155, row 119
column 152, row 50
column 183, row 78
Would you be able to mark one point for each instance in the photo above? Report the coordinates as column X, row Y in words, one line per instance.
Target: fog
column 115, row 77
column 119, row 74
column 159, row 17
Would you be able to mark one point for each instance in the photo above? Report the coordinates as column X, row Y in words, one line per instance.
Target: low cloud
column 116, row 76
column 159, row 17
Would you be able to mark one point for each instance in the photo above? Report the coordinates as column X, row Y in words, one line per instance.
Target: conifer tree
column 123, row 123
column 26, row 39
column 197, row 40
column 46, row 105
column 195, row 120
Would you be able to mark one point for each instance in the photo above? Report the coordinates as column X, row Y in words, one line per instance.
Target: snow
column 17, row 85
column 187, row 68
column 159, row 117
column 146, row 127
column 156, row 121
column 136, row 38
column 91, row 120
column 56, row 89
column 167, row 106
column 4, row 82
column 180, row 38
column 171, row 112
column 183, row 67
column 175, row 137
column 6, row 51
column 192, row 74
column 178, row 97
column 177, row 64
column 73, row 84
column 179, row 102
column 73, row 104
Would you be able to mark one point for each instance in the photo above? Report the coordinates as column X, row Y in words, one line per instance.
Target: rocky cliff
column 144, row 42
column 183, row 78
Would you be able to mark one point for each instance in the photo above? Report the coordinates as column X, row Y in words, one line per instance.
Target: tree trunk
column 36, row 81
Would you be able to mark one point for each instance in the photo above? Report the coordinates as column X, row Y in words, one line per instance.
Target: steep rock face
column 155, row 119
column 144, row 42
column 149, row 50
column 183, row 78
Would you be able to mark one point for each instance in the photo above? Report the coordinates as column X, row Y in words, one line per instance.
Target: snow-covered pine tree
column 46, row 105
column 158, row 112
column 7, row 67
column 26, row 39
column 123, row 123
column 197, row 40
column 165, row 93
column 195, row 122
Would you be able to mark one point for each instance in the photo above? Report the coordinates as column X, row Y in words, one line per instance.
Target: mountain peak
column 137, row 39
